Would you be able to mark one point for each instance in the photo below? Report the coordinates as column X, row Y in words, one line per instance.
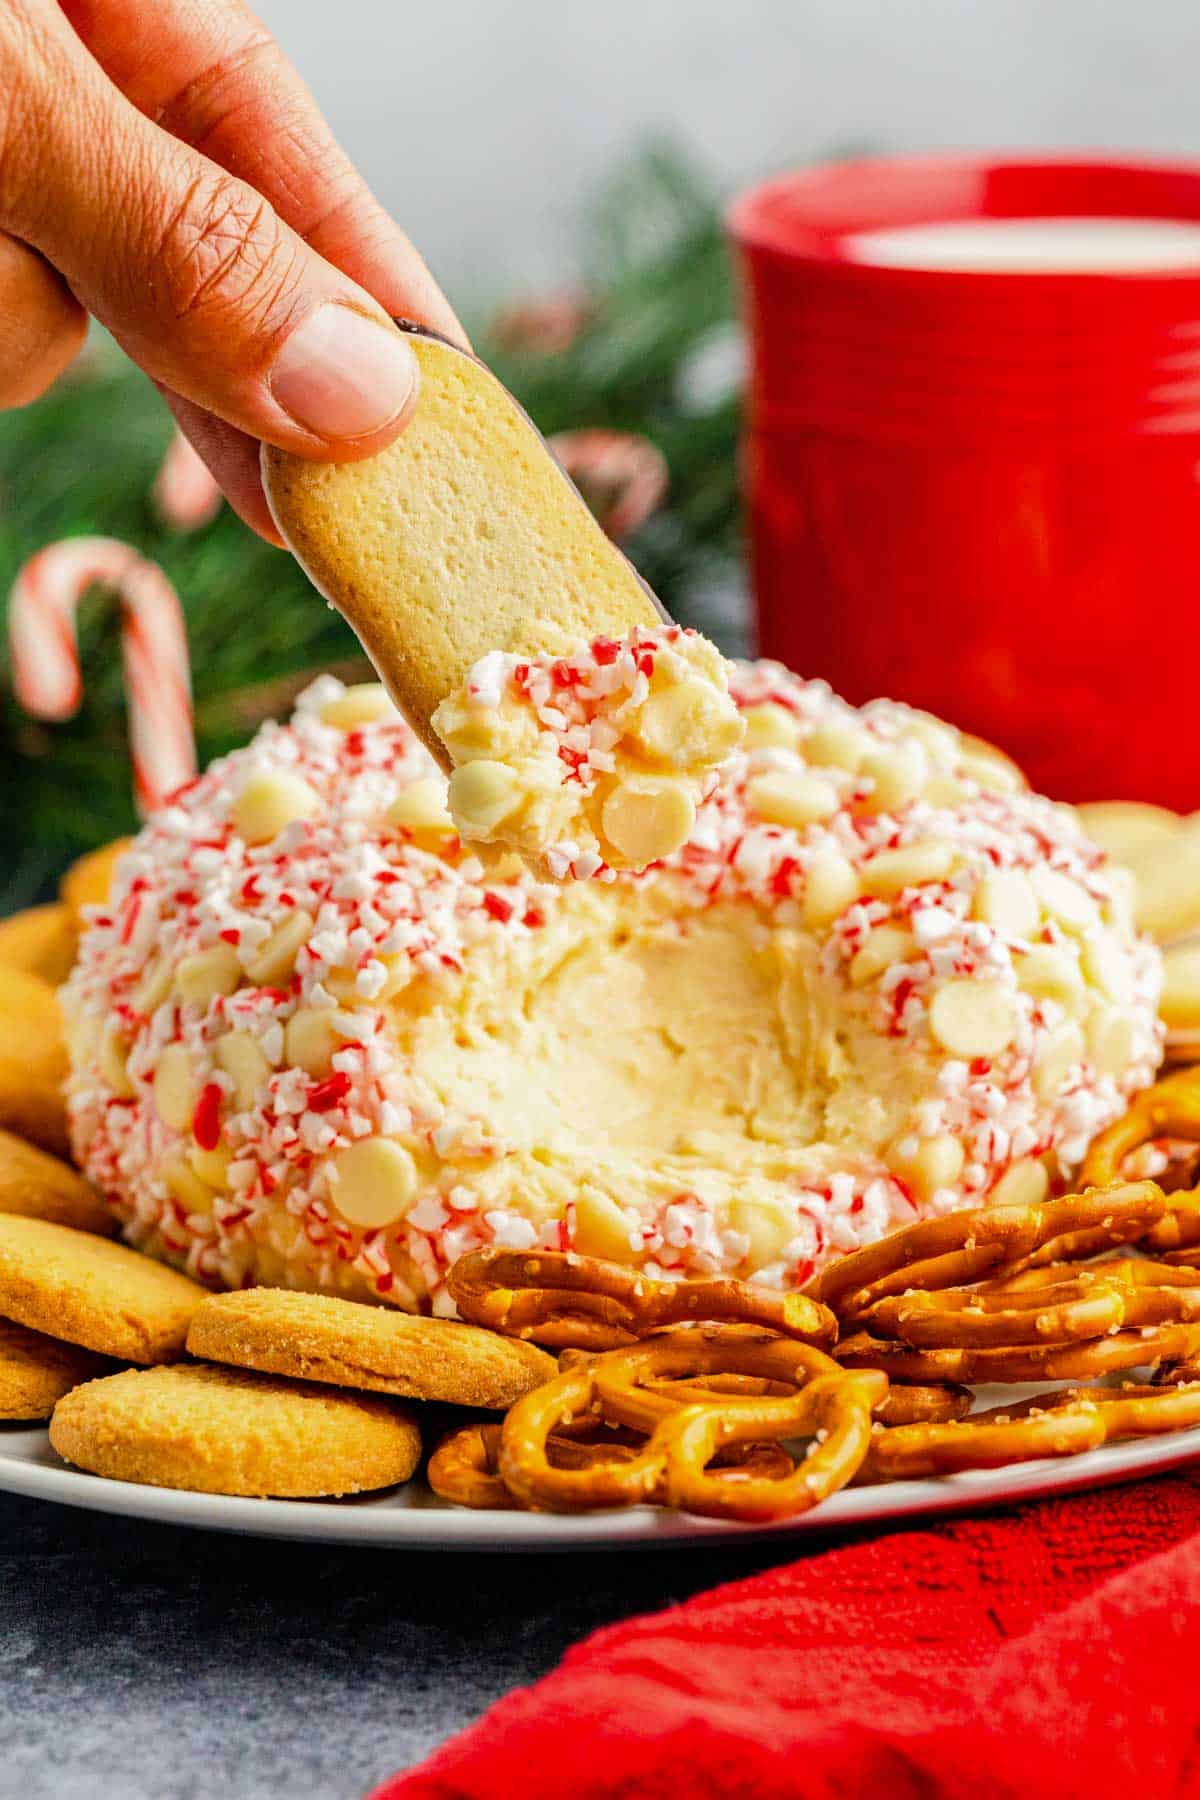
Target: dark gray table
column 142, row 1662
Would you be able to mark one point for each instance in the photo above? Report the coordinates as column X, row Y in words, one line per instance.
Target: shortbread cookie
column 88, row 881
column 91, row 1292
column 321, row 1338
column 36, row 1371
column 594, row 759
column 41, row 941
column 41, row 1186
column 1161, row 851
column 33, row 1060
column 462, row 537
column 221, row 1431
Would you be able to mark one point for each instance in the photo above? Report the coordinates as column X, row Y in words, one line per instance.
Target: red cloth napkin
column 1049, row 1651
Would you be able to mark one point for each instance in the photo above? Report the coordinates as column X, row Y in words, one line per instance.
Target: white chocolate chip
column 373, row 1183
column 899, row 772
column 926, row 1164
column 601, row 1228
column 1106, row 965
column 891, row 871
column 175, row 1088
column 794, row 800
column 1050, row 972
column 1110, row 1040
column 972, row 1018
column 1006, row 901
column 886, row 945
column 359, row 705
column 688, row 722
column 482, row 795
column 154, row 987
column 1068, row 903
column 768, row 1223
column 242, row 1060
column 944, row 790
column 830, row 886
column 992, row 770
column 421, row 808
column 200, row 978
column 645, row 819
column 1063, row 1051
column 212, row 1166
column 1025, row 1183
column 770, row 727
column 275, row 958
column 940, row 739
column 837, row 745
column 271, row 801
column 114, row 1051
column 187, row 1186
column 310, row 1039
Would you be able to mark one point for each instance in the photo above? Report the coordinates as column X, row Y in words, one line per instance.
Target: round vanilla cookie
column 36, row 1371
column 41, row 940
column 33, row 1060
column 318, row 1337
column 73, row 1285
column 223, row 1431
column 41, row 1186
column 317, row 1044
column 88, row 881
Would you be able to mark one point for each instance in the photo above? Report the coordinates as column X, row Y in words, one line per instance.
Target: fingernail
column 342, row 376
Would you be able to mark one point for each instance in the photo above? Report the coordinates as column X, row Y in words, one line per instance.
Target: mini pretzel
column 673, row 1467
column 1090, row 1305
column 1169, row 1109
column 464, row 1467
column 1132, row 1271
column 560, row 1299
column 935, row 1404
column 1085, row 1361
column 962, row 1247
column 1077, row 1420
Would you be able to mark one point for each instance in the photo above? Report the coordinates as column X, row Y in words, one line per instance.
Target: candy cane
column 185, row 494
column 622, row 477
column 45, row 654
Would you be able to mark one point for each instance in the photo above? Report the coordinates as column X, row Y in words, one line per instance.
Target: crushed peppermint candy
column 243, row 1097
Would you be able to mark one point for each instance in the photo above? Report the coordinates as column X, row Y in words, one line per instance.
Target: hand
column 163, row 167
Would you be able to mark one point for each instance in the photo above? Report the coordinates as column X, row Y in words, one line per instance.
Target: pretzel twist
column 1065, row 1425
column 1086, row 1361
column 964, row 1247
column 563, row 1300
column 674, row 1467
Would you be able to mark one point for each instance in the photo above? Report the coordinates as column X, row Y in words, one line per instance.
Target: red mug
column 978, row 490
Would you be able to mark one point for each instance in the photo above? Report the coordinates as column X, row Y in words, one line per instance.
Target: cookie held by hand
column 458, row 539
column 221, row 1431
column 319, row 1337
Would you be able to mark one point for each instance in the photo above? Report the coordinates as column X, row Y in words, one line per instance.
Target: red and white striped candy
column 45, row 653
column 185, row 495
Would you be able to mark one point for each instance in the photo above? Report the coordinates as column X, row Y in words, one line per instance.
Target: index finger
column 212, row 75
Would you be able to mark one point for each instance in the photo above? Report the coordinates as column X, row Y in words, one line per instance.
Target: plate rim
column 372, row 1522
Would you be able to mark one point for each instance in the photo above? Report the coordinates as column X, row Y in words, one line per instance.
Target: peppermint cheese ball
column 316, row 1044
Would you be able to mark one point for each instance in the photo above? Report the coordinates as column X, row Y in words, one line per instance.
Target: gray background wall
column 482, row 123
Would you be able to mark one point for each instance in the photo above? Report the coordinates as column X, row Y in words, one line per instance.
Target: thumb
column 196, row 276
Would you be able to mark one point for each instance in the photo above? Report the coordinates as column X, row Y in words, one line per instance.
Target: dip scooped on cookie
column 579, row 726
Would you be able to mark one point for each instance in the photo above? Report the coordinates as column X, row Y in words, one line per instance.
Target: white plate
column 412, row 1518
